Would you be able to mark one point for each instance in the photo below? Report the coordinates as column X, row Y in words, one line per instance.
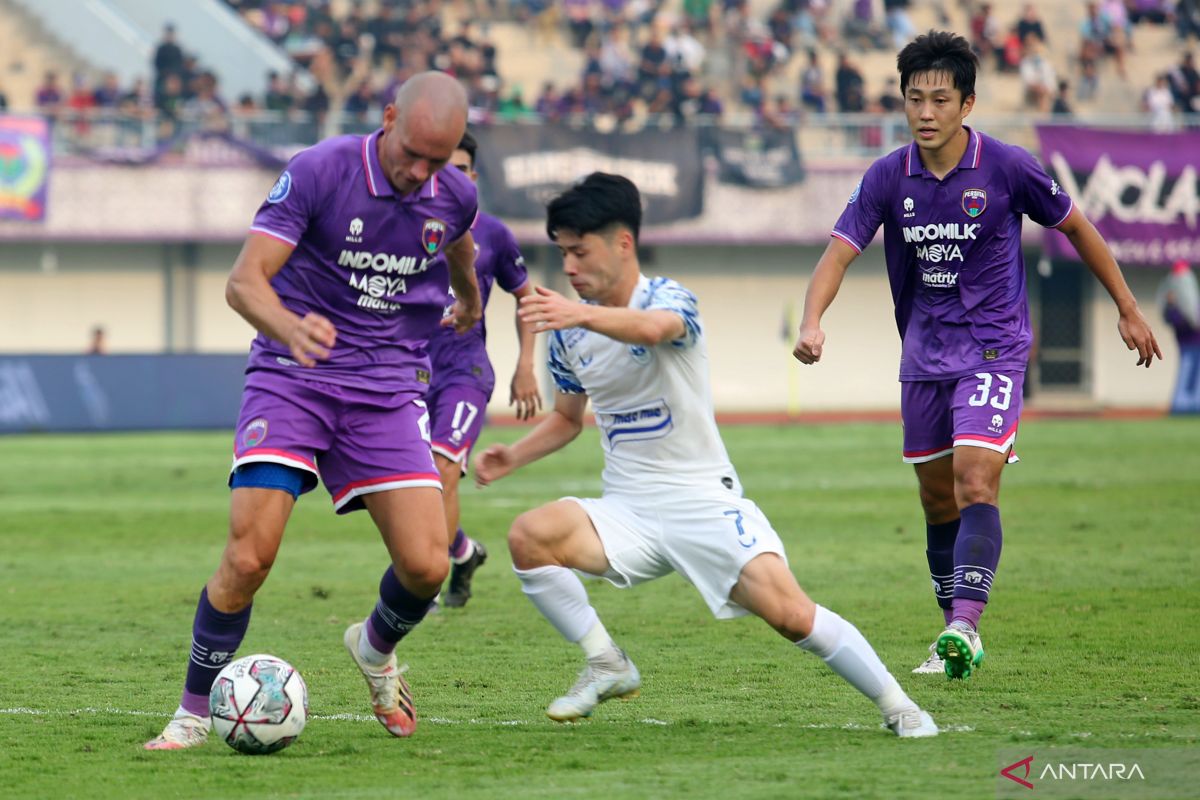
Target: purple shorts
column 456, row 413
column 980, row 410
column 356, row 441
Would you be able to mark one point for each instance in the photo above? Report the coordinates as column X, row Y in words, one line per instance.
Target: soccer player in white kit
column 672, row 501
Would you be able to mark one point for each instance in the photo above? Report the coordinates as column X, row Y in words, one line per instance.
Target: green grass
column 1092, row 637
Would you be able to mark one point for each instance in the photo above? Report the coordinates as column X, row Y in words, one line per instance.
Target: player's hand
column 547, row 310
column 463, row 316
column 809, row 345
column 1136, row 333
column 524, row 394
column 311, row 339
column 493, row 464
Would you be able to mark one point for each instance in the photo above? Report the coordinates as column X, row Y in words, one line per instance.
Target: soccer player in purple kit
column 463, row 379
column 341, row 275
column 951, row 203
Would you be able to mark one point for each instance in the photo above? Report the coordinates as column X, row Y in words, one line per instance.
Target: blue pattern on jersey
column 564, row 378
column 615, row 432
column 668, row 295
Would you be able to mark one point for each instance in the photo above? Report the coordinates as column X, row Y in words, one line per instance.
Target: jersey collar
column 377, row 182
column 969, row 160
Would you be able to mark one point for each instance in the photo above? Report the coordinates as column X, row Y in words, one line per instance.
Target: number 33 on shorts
column 1000, row 398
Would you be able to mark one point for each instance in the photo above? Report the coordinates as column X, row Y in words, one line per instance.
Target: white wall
column 51, row 296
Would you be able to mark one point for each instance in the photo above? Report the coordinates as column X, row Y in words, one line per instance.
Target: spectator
column 108, row 94
column 1037, row 75
column 985, row 32
column 684, row 51
column 813, row 92
column 168, row 57
column 1179, row 301
column 549, row 103
column 48, row 98
column 1030, row 24
column 898, row 22
column 849, row 86
column 98, row 344
column 1185, row 84
column 1062, row 103
column 1159, row 103
column 1156, row 12
column 206, row 107
column 279, row 96
column 1101, row 36
column 1187, row 19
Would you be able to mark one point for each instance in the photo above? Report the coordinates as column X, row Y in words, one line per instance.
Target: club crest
column 433, row 234
column 254, row 434
column 974, row 201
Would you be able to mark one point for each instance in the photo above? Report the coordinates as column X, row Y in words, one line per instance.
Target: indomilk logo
column 1021, row 772
column 945, row 230
column 382, row 262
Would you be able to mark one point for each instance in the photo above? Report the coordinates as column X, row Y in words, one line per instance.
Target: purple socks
column 397, row 612
column 939, row 552
column 215, row 638
column 976, row 555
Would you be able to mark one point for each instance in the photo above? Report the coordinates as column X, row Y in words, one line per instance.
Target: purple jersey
column 367, row 259
column 953, row 250
column 463, row 359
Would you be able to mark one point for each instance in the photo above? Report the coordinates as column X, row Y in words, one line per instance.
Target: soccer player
column 463, row 379
column 951, row 204
column 342, row 276
column 672, row 500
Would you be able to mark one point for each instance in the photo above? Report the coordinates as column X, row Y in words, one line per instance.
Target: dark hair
column 939, row 51
column 597, row 202
column 468, row 143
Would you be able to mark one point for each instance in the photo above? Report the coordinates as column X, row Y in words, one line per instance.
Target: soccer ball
column 259, row 704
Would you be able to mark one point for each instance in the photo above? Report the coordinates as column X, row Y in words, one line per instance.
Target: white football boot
column 611, row 675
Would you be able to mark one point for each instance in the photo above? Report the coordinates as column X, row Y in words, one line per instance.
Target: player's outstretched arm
column 468, row 304
column 523, row 392
column 826, row 280
column 249, row 292
column 547, row 310
column 559, row 428
column 1093, row 250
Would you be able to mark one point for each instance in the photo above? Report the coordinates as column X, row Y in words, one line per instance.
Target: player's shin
column 215, row 638
column 939, row 552
column 840, row 645
column 558, row 593
column 397, row 612
column 976, row 556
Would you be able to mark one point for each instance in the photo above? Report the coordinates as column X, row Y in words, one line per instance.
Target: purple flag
column 1139, row 188
column 24, row 167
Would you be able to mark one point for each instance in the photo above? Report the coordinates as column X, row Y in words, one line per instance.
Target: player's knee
column 246, row 568
column 429, row 574
column 449, row 472
column 796, row 620
column 975, row 487
column 526, row 541
column 938, row 502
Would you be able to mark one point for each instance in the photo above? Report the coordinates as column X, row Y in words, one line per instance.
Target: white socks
column 840, row 645
column 558, row 593
column 368, row 653
column 467, row 553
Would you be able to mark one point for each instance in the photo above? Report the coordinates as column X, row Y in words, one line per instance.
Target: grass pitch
column 1092, row 639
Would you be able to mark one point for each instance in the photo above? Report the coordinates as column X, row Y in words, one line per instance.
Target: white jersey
column 653, row 405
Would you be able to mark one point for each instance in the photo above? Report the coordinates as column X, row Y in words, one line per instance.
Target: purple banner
column 1139, row 188
column 24, row 167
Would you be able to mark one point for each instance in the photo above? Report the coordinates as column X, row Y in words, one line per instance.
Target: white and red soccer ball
column 259, row 704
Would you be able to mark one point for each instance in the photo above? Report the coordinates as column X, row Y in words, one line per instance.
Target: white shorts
column 706, row 538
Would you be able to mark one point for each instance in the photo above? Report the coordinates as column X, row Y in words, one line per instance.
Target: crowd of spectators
column 703, row 60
